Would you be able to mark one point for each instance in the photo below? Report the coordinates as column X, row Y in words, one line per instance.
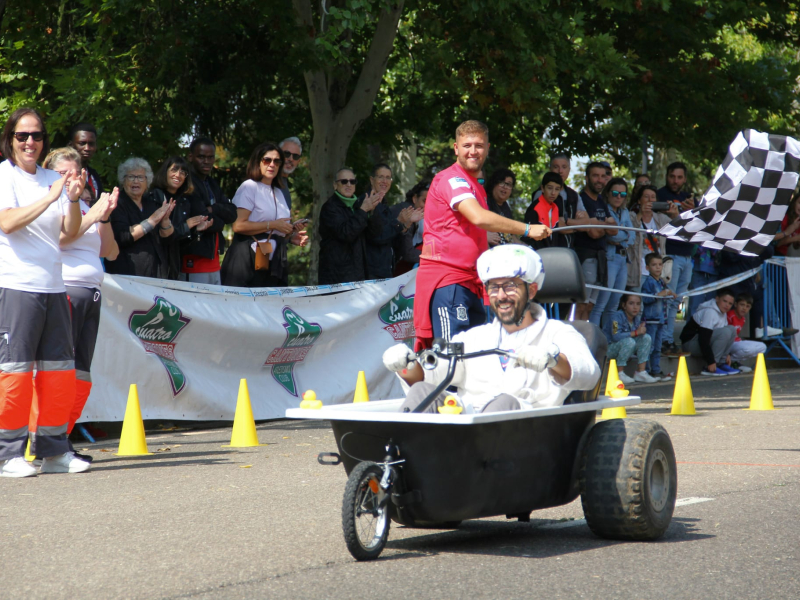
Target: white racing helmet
column 511, row 260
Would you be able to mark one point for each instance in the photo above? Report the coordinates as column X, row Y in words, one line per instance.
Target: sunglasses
column 22, row 136
column 291, row 155
column 615, row 194
column 268, row 161
column 347, row 181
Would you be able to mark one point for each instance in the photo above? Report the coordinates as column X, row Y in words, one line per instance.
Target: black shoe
column 85, row 457
column 790, row 331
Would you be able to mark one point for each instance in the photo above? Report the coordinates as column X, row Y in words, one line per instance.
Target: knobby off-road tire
column 629, row 480
column 365, row 524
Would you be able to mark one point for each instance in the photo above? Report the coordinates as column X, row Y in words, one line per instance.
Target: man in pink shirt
column 449, row 294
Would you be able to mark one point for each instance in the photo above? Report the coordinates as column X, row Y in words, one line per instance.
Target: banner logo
column 157, row 329
column 300, row 337
column 398, row 314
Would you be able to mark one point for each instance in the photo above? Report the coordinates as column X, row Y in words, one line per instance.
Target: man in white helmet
column 552, row 358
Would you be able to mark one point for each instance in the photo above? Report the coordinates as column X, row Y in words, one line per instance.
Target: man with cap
column 550, row 358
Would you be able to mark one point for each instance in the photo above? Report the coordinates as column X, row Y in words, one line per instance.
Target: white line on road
column 577, row 522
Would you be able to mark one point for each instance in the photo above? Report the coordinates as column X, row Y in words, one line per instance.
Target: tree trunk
column 335, row 125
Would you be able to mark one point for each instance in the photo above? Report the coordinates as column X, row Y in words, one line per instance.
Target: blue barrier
column 776, row 306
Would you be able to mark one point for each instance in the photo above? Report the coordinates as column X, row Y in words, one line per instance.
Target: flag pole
column 608, row 226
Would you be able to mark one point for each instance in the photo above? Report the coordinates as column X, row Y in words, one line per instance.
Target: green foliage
column 584, row 76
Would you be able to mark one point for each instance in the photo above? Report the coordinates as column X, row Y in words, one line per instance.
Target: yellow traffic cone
column 613, row 376
column 132, row 441
column 361, row 395
column 682, row 399
column 28, row 456
column 618, row 412
column 244, row 426
column 761, row 396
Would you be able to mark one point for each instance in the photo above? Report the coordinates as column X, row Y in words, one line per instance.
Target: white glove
column 537, row 358
column 398, row 357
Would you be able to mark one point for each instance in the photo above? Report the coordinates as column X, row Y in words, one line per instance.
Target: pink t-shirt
column 449, row 238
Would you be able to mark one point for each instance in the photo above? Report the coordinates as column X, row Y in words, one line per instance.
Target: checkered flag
column 743, row 209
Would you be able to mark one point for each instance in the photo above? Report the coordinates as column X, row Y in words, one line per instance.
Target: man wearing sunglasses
column 449, row 294
column 292, row 151
column 550, row 358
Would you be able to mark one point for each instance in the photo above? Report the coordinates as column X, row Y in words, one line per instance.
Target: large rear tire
column 629, row 480
column 364, row 521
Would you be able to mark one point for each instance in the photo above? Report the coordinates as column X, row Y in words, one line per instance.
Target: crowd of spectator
column 60, row 230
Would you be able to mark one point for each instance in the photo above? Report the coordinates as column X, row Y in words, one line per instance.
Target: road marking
column 688, row 501
column 577, row 522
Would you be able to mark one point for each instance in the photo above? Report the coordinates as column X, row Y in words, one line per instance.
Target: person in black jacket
column 408, row 247
column 344, row 223
column 172, row 182
column 83, row 137
column 381, row 243
column 200, row 254
column 140, row 224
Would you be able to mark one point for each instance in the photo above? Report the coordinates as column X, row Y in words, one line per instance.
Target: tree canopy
column 356, row 79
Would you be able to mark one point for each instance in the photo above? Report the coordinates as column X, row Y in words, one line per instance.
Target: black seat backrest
column 598, row 345
column 563, row 277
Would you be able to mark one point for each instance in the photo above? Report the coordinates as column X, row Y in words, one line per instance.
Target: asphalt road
column 197, row 520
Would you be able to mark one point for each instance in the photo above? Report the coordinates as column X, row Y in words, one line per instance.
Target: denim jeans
column 699, row 279
column 681, row 276
column 608, row 302
column 656, row 333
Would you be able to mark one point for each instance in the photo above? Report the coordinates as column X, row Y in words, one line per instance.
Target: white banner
column 186, row 346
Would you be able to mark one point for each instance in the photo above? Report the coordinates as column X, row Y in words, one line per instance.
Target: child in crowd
column 627, row 335
column 708, row 335
column 655, row 311
column 545, row 210
column 741, row 349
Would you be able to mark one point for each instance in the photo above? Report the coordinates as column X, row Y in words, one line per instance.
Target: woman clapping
column 37, row 206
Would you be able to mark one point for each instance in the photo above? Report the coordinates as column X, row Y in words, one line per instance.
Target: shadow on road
column 529, row 540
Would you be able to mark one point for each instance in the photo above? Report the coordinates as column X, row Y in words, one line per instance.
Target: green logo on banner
column 157, row 329
column 300, row 336
column 398, row 314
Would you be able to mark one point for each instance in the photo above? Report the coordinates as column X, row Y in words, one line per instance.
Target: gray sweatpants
column 721, row 342
column 420, row 391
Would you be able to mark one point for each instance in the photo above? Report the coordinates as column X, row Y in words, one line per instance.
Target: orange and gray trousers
column 35, row 333
column 84, row 306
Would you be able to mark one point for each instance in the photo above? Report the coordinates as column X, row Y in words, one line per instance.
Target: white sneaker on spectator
column 644, row 377
column 16, row 467
column 771, row 332
column 663, row 376
column 625, row 379
column 64, row 463
column 714, row 374
column 744, row 369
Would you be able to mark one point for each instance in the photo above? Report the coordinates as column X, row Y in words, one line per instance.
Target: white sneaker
column 625, row 379
column 64, row 463
column 771, row 332
column 664, row 377
column 644, row 377
column 744, row 369
column 16, row 467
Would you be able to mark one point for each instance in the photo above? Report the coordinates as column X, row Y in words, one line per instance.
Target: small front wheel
column 365, row 512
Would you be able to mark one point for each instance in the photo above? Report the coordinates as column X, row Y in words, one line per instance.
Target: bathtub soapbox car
column 429, row 470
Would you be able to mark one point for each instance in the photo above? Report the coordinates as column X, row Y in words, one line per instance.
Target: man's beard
column 520, row 306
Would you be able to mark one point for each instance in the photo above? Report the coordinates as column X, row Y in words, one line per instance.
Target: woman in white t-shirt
column 36, row 207
column 82, row 272
column 263, row 224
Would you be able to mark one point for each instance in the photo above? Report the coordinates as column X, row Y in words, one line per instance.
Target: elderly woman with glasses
column 263, row 224
column 141, row 224
column 344, row 222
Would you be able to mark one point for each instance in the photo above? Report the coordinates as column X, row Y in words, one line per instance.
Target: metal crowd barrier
column 776, row 306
